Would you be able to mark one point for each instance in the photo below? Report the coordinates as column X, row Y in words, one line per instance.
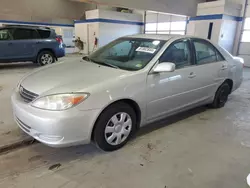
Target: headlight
column 59, row 101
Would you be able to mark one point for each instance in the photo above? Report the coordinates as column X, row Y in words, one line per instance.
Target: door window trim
column 10, row 33
column 217, row 52
column 191, row 51
column 192, row 58
column 33, row 30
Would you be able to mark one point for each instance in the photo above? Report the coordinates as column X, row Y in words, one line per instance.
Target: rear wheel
column 114, row 127
column 221, row 96
column 45, row 58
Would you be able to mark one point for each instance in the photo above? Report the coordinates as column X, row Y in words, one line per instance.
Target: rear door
column 25, row 43
column 5, row 44
column 211, row 68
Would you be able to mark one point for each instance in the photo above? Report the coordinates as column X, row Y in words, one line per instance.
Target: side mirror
column 164, row 67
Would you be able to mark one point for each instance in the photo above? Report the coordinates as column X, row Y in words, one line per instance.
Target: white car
column 133, row 81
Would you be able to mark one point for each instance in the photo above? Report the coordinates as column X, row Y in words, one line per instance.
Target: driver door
column 168, row 92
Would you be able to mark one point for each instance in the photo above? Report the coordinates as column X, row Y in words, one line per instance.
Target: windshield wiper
column 103, row 63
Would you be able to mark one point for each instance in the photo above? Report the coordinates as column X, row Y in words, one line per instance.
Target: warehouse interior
column 198, row 147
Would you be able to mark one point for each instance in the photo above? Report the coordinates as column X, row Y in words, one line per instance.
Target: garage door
column 160, row 23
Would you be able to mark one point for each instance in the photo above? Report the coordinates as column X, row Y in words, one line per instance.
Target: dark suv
column 27, row 43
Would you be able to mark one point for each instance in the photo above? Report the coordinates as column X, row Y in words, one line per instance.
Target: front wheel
column 45, row 58
column 221, row 96
column 114, row 127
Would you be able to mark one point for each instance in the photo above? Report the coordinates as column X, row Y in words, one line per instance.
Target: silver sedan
column 129, row 83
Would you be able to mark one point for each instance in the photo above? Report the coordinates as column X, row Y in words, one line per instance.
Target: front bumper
column 54, row 128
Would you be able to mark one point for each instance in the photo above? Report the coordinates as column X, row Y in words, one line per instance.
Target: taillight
column 58, row 39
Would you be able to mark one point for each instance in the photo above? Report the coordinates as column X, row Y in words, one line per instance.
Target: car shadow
column 60, row 156
column 54, row 157
column 170, row 120
column 19, row 65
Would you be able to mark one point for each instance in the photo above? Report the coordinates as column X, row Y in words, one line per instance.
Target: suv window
column 178, row 53
column 206, row 52
column 44, row 33
column 22, row 34
column 5, row 34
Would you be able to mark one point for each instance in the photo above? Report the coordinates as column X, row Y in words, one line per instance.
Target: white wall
column 200, row 28
column 87, row 32
column 183, row 7
column 227, row 34
column 244, row 48
column 226, row 30
column 229, row 7
column 112, row 31
column 103, row 31
column 109, row 32
column 120, row 16
column 208, row 8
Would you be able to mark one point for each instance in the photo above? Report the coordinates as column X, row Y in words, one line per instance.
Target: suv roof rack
column 26, row 26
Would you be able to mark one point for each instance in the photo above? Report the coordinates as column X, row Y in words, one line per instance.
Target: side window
column 178, row 53
column 34, row 34
column 5, row 34
column 44, row 34
column 22, row 34
column 205, row 52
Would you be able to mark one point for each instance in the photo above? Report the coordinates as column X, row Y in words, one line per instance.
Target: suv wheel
column 45, row 58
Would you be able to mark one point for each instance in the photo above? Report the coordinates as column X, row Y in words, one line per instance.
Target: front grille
column 27, row 95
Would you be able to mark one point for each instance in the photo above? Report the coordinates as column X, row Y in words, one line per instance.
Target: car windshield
column 127, row 53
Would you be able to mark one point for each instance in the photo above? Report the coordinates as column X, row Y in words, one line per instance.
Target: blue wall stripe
column 207, row 17
column 36, row 23
column 233, row 18
column 216, row 17
column 109, row 21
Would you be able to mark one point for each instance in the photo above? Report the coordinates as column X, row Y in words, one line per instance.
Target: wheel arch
column 46, row 49
column 230, row 83
column 131, row 103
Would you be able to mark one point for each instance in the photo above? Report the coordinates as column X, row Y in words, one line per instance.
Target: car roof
column 161, row 36
column 26, row 27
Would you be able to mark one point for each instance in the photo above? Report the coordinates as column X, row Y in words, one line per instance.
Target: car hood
column 72, row 76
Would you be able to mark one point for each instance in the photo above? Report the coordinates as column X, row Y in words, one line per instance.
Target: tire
column 114, row 127
column 221, row 96
column 45, row 58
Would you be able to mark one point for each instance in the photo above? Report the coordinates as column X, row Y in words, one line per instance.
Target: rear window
column 44, row 33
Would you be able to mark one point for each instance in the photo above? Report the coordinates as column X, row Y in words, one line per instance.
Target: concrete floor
column 202, row 148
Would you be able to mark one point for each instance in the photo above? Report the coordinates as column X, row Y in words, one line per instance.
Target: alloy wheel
column 46, row 59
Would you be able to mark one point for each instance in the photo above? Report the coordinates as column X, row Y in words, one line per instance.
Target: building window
column 159, row 23
column 246, row 31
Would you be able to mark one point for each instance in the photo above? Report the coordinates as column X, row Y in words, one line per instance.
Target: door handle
column 38, row 42
column 10, row 43
column 192, row 75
